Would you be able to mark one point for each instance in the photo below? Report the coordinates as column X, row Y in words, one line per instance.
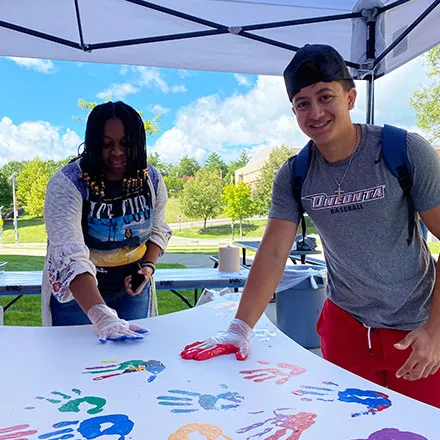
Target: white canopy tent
column 241, row 36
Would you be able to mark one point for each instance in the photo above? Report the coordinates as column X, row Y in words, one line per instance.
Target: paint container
column 229, row 259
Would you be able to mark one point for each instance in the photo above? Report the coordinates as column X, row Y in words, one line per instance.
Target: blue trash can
column 298, row 306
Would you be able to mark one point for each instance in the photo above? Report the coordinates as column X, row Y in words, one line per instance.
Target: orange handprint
column 210, row 432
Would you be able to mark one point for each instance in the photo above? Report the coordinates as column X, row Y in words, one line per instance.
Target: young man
column 382, row 316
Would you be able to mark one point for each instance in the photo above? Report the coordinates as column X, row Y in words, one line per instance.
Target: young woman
column 104, row 216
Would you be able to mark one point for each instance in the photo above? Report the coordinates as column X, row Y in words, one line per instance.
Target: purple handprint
column 394, row 434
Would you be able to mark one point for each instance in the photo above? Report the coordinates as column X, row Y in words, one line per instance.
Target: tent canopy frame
column 364, row 71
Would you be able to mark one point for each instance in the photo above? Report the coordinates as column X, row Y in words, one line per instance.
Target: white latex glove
column 110, row 327
column 234, row 340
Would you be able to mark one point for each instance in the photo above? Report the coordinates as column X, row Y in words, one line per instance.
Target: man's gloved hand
column 234, row 340
column 110, row 327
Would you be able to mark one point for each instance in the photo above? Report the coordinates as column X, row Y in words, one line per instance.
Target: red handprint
column 262, row 374
column 15, row 432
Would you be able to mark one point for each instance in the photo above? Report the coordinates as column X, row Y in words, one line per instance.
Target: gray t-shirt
column 372, row 272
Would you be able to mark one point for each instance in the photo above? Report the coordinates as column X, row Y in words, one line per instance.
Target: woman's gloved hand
column 234, row 340
column 110, row 327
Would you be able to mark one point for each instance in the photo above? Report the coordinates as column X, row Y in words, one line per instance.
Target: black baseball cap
column 314, row 63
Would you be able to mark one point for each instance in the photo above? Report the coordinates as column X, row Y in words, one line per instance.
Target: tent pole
column 370, row 99
column 369, row 16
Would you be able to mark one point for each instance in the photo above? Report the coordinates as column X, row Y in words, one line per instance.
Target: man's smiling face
column 323, row 111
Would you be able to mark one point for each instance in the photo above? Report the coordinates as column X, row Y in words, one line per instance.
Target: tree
column 155, row 160
column 426, row 102
column 151, row 125
column 188, row 166
column 172, row 182
column 5, row 192
column 215, row 162
column 53, row 165
column 35, row 202
column 263, row 191
column 201, row 196
column 235, row 165
column 14, row 166
column 238, row 202
column 31, row 186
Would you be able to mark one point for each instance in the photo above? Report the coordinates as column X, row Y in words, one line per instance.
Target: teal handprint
column 196, row 401
column 73, row 405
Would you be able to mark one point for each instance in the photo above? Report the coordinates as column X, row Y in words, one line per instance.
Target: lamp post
column 14, row 201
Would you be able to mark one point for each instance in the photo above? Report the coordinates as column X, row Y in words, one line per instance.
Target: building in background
column 252, row 171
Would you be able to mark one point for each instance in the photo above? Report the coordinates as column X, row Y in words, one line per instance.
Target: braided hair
column 136, row 152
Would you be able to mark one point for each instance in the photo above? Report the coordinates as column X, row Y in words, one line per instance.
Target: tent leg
column 370, row 99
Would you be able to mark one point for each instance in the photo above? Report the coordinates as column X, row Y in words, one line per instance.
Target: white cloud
column 118, row 91
column 178, row 89
column 159, row 109
column 262, row 116
column 184, row 73
column 259, row 118
column 151, row 77
column 43, row 66
column 242, row 80
column 35, row 138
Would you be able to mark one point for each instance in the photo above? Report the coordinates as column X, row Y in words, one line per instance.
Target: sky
column 202, row 112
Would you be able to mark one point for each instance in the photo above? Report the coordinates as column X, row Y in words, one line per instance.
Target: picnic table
column 23, row 283
column 294, row 255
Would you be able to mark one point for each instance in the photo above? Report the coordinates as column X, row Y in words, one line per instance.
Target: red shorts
column 344, row 342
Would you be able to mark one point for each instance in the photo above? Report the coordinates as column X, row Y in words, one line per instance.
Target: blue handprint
column 374, row 401
column 222, row 401
column 91, row 428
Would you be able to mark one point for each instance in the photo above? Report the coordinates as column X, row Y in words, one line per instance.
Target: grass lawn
column 27, row 312
column 173, row 210
column 193, row 249
column 30, row 230
column 254, row 229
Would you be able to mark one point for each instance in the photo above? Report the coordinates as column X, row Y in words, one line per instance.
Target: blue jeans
column 128, row 307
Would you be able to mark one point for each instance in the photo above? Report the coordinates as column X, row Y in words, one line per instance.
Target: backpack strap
column 300, row 166
column 395, row 155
